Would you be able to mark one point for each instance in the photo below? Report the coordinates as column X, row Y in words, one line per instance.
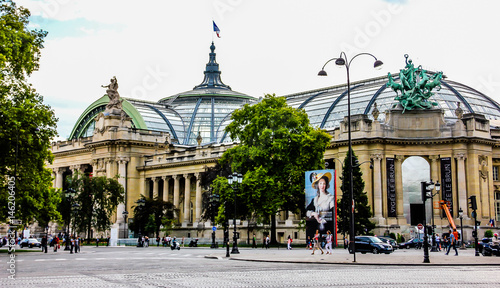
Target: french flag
column 216, row 29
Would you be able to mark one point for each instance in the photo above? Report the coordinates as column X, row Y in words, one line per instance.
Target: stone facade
column 150, row 165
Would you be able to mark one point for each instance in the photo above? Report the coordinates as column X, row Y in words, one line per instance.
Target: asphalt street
column 205, row 267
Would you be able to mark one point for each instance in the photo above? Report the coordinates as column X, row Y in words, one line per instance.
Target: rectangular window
column 495, row 173
column 497, row 208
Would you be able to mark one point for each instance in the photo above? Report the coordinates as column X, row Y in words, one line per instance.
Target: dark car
column 412, row 243
column 390, row 241
column 31, row 242
column 371, row 244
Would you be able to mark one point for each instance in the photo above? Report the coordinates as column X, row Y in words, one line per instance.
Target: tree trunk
column 273, row 229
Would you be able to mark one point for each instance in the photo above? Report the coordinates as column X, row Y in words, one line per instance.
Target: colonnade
column 380, row 174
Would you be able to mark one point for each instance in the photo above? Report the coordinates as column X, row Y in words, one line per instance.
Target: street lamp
column 461, row 216
column 343, row 61
column 140, row 204
column 125, row 227
column 214, row 203
column 70, row 194
column 434, row 244
column 235, row 179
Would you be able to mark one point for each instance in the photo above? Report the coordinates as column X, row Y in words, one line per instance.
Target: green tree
column 362, row 212
column 97, row 198
column 277, row 145
column 26, row 124
column 149, row 218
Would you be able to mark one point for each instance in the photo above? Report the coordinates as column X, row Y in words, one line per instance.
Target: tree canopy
column 362, row 211
column 277, row 146
column 97, row 199
column 27, row 125
column 153, row 214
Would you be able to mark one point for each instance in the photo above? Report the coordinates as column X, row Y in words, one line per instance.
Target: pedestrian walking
column 44, row 244
column 453, row 242
column 157, row 241
column 77, row 244
column 72, row 245
column 267, row 242
column 289, row 243
column 329, row 240
column 56, row 243
column 97, row 241
column 254, row 241
column 317, row 245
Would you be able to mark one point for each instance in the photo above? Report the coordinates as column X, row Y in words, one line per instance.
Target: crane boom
column 444, row 206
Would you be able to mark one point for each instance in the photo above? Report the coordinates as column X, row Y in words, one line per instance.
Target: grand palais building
column 159, row 149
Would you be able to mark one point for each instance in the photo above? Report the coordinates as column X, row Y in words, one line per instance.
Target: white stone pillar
column 176, row 190
column 122, row 171
column 59, row 177
column 187, row 197
column 377, row 185
column 165, row 187
column 198, row 197
column 155, row 187
column 461, row 180
column 435, row 177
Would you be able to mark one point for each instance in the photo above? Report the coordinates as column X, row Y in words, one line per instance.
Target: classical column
column 75, row 169
column 198, row 197
column 483, row 200
column 377, row 186
column 176, row 190
column 187, row 197
column 122, row 171
column 165, row 187
column 155, row 187
column 435, row 177
column 398, row 167
column 59, row 176
column 461, row 180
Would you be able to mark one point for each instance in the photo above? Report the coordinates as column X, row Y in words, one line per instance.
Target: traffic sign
column 214, row 228
column 420, row 226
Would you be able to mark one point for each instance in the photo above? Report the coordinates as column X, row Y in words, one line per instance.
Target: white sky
column 157, row 48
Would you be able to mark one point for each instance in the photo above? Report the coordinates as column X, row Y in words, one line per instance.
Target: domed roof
column 206, row 109
column 326, row 107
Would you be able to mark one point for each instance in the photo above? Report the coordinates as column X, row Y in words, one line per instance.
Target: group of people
column 316, row 243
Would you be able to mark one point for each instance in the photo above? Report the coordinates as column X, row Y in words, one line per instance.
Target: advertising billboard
column 321, row 203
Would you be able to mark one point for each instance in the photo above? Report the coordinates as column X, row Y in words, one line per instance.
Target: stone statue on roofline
column 415, row 86
column 114, row 106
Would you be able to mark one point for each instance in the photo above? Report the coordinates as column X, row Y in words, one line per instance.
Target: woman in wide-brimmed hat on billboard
column 322, row 204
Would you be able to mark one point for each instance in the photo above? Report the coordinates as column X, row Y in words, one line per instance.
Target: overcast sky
column 158, row 48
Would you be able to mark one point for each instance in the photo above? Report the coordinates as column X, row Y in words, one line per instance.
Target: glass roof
column 327, row 107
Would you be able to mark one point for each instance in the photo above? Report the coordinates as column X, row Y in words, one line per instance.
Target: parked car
column 371, row 244
column 389, row 241
column 412, row 243
column 31, row 242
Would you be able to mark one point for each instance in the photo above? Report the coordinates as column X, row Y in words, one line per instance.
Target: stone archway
column 415, row 169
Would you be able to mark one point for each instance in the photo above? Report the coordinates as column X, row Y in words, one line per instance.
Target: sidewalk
column 410, row 257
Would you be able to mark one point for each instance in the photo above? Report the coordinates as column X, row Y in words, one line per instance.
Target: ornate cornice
column 403, row 141
column 176, row 164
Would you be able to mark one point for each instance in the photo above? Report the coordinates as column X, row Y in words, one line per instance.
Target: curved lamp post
column 140, row 203
column 343, row 61
column 125, row 224
column 235, row 179
column 214, row 203
column 70, row 194
column 437, row 186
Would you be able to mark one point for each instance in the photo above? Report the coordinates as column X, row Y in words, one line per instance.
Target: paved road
column 189, row 267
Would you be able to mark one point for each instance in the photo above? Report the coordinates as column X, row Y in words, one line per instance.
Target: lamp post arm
column 323, row 68
column 364, row 53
